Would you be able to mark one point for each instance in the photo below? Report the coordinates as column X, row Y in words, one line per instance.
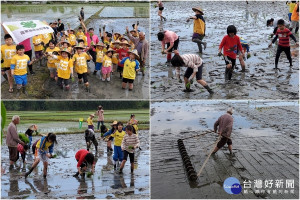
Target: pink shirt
column 26, row 44
column 21, row 149
column 94, row 38
column 170, row 37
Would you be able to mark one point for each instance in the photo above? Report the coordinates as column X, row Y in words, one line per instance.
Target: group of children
column 125, row 142
column 232, row 46
column 73, row 50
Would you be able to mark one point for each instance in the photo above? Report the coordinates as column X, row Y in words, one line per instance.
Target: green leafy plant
column 24, row 138
column 3, row 118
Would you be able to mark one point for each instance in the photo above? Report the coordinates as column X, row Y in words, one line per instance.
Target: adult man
column 142, row 46
column 224, row 123
column 12, row 140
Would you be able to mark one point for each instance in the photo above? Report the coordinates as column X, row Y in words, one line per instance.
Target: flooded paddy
column 60, row 183
column 260, row 81
column 265, row 140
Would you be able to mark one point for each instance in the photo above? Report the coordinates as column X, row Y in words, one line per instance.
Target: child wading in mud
column 108, row 133
column 199, row 28
column 160, row 6
column 43, row 151
column 284, row 35
column 194, row 66
column 84, row 157
column 90, row 122
column 118, row 135
column 90, row 138
column 230, row 45
column 133, row 122
column 129, row 144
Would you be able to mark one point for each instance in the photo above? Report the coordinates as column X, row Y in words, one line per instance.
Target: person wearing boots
column 224, row 127
column 172, row 40
column 84, row 157
column 118, row 135
column 129, row 144
column 90, row 138
column 44, row 151
column 194, row 66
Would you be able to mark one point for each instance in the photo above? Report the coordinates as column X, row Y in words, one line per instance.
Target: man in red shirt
column 284, row 35
column 230, row 44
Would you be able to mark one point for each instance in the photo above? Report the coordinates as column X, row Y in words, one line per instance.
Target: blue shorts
column 98, row 66
column 290, row 17
column 21, row 79
column 118, row 153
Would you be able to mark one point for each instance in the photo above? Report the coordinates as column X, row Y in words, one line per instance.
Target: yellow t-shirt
column 100, row 55
column 72, row 39
column 107, row 62
column 118, row 137
column 46, row 37
column 89, row 121
column 130, row 68
column 51, row 60
column 85, row 40
column 64, row 67
column 115, row 58
column 7, row 52
column 80, row 35
column 37, row 40
column 80, row 62
column 20, row 63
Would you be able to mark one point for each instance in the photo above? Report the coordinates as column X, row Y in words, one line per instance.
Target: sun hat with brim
column 65, row 50
column 135, row 52
column 114, row 123
column 92, row 115
column 100, row 44
column 198, row 9
column 125, row 42
column 80, row 46
column 110, row 50
column 66, row 41
column 132, row 30
column 116, row 42
column 117, row 33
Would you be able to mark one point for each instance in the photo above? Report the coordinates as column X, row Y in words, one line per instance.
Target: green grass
column 44, row 117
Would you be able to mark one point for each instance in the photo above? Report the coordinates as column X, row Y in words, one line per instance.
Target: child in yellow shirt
column 18, row 68
column 38, row 47
column 64, row 68
column 72, row 38
column 99, row 57
column 90, row 122
column 80, row 62
column 131, row 66
column 115, row 57
column 107, row 65
column 80, row 33
column 51, row 61
column 8, row 50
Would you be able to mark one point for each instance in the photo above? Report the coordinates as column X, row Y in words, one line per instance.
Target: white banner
column 21, row 30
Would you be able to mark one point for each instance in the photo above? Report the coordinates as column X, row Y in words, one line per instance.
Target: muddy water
column 98, row 89
column 264, row 134
column 61, row 184
column 260, row 80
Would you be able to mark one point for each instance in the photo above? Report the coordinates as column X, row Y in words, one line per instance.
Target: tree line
column 73, row 105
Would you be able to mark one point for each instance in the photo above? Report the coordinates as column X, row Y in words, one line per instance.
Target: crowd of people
column 124, row 137
column 233, row 46
column 69, row 51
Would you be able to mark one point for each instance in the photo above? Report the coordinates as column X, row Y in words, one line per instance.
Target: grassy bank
column 62, row 122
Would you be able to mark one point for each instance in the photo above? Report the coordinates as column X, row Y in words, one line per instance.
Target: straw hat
column 92, row 115
column 114, row 123
column 135, row 52
column 33, row 127
column 110, row 50
column 125, row 42
column 117, row 33
column 230, row 110
column 66, row 41
column 116, row 42
column 65, row 50
column 81, row 46
column 100, row 44
column 198, row 9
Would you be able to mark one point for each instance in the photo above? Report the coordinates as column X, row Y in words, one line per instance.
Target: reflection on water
column 121, row 12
